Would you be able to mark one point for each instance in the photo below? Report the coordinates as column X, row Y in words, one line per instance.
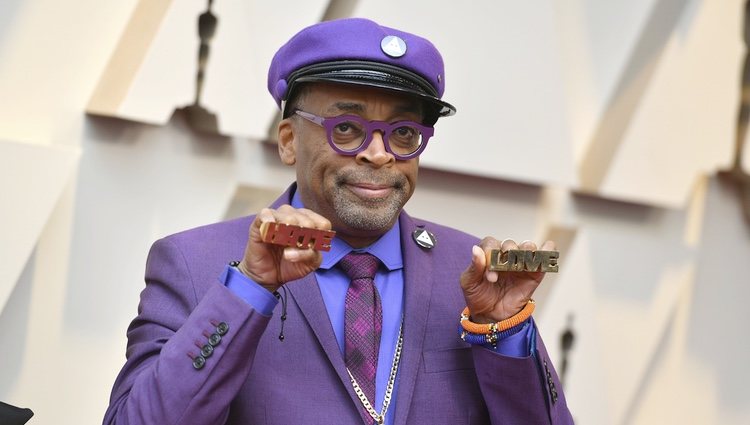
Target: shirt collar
column 387, row 248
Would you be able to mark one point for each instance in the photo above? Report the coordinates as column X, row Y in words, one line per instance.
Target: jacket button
column 222, row 328
column 199, row 362
column 207, row 350
column 214, row 339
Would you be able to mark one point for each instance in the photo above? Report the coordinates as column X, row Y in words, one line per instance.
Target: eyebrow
column 346, row 107
column 358, row 107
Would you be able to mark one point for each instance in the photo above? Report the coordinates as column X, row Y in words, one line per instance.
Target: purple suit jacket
column 254, row 378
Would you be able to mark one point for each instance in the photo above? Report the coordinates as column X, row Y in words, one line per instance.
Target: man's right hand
column 273, row 265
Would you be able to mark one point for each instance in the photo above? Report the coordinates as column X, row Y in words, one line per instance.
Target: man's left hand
column 494, row 296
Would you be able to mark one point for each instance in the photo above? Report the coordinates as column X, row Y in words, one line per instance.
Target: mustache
column 397, row 181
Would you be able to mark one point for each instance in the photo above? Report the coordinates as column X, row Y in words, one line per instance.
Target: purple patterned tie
column 363, row 319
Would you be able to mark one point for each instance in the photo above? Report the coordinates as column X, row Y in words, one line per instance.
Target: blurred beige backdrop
column 601, row 124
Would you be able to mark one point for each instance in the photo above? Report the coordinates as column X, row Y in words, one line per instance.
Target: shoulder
column 212, row 244
column 193, row 260
column 221, row 232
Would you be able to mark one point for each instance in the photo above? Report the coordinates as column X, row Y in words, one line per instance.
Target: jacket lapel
column 306, row 294
column 418, row 285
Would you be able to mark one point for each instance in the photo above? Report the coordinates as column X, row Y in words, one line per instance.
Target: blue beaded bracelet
column 492, row 338
column 514, row 330
column 476, row 339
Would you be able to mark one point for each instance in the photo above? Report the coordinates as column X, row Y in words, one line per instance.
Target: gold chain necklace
column 380, row 418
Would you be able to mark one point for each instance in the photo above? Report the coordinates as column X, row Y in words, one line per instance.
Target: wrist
column 242, row 268
column 487, row 318
column 487, row 328
column 489, row 334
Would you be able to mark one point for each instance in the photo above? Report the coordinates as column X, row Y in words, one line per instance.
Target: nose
column 376, row 154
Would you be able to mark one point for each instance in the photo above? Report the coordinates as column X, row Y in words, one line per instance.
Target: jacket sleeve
column 164, row 380
column 521, row 390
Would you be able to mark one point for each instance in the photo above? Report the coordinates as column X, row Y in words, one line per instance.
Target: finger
column 473, row 275
column 489, row 243
column 527, row 245
column 297, row 255
column 486, row 245
column 265, row 216
column 491, row 276
column 289, row 215
column 317, row 220
column 548, row 246
column 479, row 258
column 508, row 244
column 301, row 217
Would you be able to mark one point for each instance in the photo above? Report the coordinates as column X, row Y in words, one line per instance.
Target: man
column 346, row 346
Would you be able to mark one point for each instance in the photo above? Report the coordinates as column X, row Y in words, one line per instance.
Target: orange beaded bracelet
column 490, row 328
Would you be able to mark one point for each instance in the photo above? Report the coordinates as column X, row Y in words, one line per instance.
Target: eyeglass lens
column 350, row 134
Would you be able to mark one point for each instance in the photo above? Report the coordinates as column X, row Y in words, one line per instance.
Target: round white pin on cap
column 393, row 46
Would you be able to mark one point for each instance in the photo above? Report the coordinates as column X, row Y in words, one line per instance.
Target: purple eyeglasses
column 351, row 134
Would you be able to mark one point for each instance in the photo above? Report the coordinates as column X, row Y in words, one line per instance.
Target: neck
column 358, row 241
column 357, row 238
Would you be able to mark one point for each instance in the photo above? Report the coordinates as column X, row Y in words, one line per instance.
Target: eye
column 405, row 136
column 343, row 127
column 346, row 132
column 405, row 133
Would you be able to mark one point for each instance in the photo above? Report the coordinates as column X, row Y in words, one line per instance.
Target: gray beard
column 376, row 215
column 367, row 216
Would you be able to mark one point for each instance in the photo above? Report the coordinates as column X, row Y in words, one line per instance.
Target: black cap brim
column 372, row 74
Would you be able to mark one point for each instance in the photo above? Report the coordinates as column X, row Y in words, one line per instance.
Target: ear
column 287, row 151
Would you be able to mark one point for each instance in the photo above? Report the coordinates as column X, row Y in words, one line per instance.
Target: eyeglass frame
column 370, row 126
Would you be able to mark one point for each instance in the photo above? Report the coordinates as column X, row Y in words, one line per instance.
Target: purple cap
column 359, row 51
